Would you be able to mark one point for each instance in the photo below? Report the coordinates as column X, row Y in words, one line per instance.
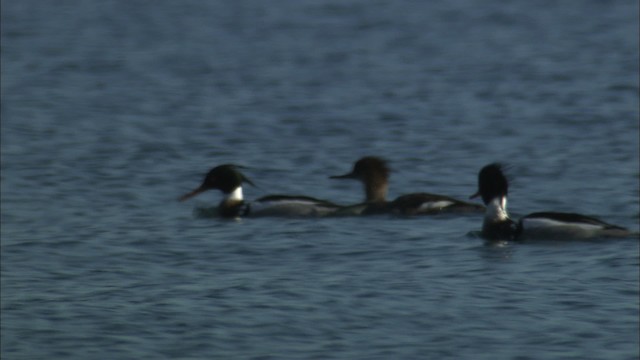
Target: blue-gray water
column 113, row 109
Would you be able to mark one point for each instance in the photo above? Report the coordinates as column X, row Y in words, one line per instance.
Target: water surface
column 111, row 110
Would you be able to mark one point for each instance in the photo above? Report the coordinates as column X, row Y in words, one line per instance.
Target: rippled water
column 111, row 110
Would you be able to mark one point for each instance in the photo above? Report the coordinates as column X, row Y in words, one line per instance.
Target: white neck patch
column 497, row 209
column 236, row 194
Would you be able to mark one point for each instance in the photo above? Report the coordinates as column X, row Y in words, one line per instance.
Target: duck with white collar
column 493, row 187
column 228, row 179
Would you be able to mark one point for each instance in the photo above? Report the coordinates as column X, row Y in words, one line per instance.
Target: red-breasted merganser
column 228, row 179
column 493, row 187
column 374, row 174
